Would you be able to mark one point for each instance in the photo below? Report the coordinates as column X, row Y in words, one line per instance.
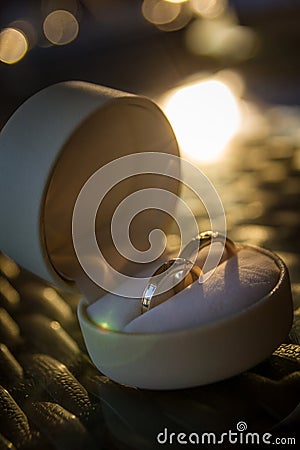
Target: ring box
column 48, row 149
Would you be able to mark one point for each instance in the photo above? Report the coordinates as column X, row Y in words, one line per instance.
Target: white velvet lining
column 236, row 284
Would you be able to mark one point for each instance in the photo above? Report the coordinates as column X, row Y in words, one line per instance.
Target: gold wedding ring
column 162, row 286
column 204, row 239
column 181, row 271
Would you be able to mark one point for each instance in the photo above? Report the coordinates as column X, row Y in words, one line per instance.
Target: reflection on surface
column 50, row 294
column 61, row 27
column 8, row 292
column 13, row 45
column 205, row 116
column 8, row 267
column 105, row 325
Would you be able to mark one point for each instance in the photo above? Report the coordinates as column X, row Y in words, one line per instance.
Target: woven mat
column 52, row 397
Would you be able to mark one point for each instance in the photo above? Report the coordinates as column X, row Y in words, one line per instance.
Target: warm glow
column 181, row 21
column 234, row 80
column 27, row 29
column 205, row 116
column 209, row 9
column 159, row 12
column 61, row 27
column 13, row 45
column 221, row 37
column 176, row 1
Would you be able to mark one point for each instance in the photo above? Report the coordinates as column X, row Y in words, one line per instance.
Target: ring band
column 204, row 239
column 183, row 269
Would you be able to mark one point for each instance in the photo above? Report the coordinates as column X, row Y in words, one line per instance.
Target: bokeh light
column 159, row 12
column 239, row 42
column 221, row 37
column 180, row 21
column 61, row 27
column 27, row 29
column 205, row 116
column 233, row 80
column 176, row 1
column 13, row 45
column 209, row 9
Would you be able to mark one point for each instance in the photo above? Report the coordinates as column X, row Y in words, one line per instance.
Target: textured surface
column 51, row 396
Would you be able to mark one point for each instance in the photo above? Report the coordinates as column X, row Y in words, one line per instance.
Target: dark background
column 117, row 47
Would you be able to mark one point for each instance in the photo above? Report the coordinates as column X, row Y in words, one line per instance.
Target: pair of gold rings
column 181, row 271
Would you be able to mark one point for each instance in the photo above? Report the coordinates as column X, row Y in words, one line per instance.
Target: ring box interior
column 205, row 333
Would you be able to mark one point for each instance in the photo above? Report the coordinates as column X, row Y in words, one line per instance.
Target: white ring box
column 51, row 145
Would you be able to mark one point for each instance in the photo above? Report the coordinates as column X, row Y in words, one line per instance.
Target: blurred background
column 226, row 52
column 150, row 46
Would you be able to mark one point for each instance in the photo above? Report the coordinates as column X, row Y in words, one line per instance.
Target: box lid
column 50, row 147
